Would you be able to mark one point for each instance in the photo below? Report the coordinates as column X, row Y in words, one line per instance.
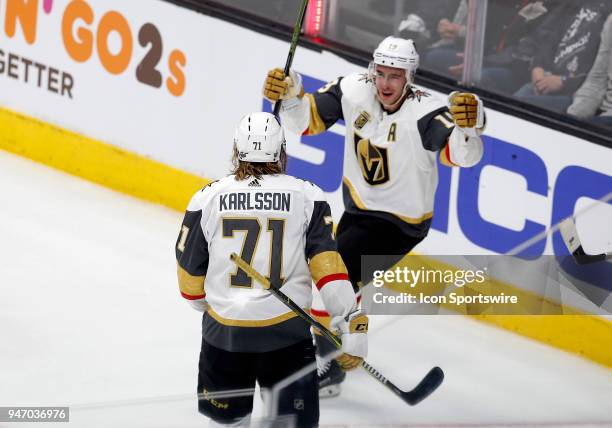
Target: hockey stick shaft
column 426, row 386
column 297, row 29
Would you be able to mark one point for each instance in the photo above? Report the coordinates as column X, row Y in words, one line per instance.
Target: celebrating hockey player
column 282, row 226
column 395, row 130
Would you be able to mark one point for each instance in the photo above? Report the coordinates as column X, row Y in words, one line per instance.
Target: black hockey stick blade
column 429, row 384
column 583, row 258
column 432, row 380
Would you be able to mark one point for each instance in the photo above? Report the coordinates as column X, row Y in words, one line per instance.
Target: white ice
column 90, row 317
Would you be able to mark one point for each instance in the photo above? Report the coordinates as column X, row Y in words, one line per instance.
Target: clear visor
column 410, row 72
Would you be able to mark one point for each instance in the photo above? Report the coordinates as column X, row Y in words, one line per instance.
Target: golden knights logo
column 373, row 161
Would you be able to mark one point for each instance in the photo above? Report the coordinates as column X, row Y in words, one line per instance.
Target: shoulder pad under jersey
column 201, row 198
column 423, row 101
column 358, row 89
column 311, row 191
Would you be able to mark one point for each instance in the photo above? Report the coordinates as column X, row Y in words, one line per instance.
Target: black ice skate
column 330, row 376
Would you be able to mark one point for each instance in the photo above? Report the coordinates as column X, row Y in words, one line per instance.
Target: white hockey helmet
column 259, row 137
column 398, row 53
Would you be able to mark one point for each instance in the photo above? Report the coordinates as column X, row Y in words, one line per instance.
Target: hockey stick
column 426, row 386
column 297, row 29
column 569, row 233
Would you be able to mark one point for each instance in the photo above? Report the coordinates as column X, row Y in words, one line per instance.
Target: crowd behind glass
column 555, row 54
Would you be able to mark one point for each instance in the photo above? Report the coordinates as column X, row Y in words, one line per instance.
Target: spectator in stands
column 447, row 51
column 512, row 43
column 509, row 43
column 593, row 101
column 427, row 16
column 567, row 44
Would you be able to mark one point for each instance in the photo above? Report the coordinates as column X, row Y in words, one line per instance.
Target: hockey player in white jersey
column 282, row 226
column 395, row 130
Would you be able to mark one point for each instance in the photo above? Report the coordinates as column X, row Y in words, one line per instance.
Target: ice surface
column 90, row 316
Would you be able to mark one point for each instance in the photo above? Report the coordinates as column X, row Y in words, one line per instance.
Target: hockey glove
column 277, row 86
column 467, row 111
column 354, row 329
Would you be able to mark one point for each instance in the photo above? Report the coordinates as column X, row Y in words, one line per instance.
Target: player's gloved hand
column 354, row 329
column 467, row 111
column 278, row 86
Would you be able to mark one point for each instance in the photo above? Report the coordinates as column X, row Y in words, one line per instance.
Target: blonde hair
column 244, row 170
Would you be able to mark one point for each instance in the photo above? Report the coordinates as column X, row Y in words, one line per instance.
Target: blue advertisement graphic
column 486, row 234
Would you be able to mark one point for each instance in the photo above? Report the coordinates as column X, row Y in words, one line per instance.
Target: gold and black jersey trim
column 191, row 256
column 320, row 232
column 326, row 267
column 191, row 286
column 252, row 323
column 325, row 107
column 353, row 193
column 316, row 125
column 414, row 227
column 435, row 128
column 359, row 203
column 254, row 336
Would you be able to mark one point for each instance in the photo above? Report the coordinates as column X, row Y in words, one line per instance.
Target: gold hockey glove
column 348, row 362
column 354, row 329
column 466, row 109
column 277, row 86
